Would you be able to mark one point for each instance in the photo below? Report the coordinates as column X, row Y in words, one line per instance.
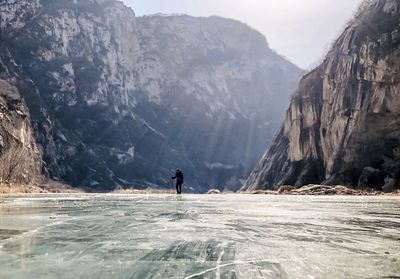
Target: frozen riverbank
column 321, row 190
column 199, row 236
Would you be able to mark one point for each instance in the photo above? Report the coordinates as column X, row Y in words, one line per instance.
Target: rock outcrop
column 319, row 190
column 343, row 124
column 117, row 100
column 214, row 192
column 20, row 159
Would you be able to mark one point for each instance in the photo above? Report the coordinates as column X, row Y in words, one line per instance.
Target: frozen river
column 199, row 236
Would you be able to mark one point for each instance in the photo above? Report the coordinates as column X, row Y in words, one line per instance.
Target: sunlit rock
column 343, row 124
column 202, row 94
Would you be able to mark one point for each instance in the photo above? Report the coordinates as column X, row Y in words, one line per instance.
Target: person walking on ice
column 179, row 181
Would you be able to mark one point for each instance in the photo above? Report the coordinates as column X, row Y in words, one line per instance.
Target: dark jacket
column 179, row 177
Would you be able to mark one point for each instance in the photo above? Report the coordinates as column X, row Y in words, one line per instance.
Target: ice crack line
column 32, row 232
column 225, row 265
column 219, row 264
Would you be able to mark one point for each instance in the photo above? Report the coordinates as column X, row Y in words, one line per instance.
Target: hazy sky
column 301, row 30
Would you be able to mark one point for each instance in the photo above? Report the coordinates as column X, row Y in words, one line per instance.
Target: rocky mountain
column 116, row 100
column 343, row 123
column 19, row 158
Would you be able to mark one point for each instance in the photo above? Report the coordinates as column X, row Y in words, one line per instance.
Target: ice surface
column 195, row 236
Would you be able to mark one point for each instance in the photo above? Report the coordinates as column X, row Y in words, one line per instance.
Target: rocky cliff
column 343, row 123
column 116, row 100
column 20, row 159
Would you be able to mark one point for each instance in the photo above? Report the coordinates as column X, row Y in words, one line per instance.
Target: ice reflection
column 227, row 236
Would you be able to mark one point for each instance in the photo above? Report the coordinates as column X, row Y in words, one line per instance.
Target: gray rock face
column 19, row 156
column 120, row 101
column 343, row 124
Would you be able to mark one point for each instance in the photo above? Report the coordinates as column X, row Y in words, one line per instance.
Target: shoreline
column 324, row 190
column 55, row 188
column 47, row 187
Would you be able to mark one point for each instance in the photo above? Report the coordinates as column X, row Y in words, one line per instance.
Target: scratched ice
column 225, row 236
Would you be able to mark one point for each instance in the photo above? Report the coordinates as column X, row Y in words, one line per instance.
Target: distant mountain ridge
column 343, row 123
column 116, row 100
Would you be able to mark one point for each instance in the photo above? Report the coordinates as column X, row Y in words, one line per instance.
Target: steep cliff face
column 343, row 124
column 117, row 100
column 20, row 159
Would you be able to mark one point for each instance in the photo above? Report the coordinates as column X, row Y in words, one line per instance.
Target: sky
column 301, row 30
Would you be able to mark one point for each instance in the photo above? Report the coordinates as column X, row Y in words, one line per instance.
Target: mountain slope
column 343, row 124
column 121, row 101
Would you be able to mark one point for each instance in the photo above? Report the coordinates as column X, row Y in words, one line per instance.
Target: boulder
column 285, row 188
column 264, row 192
column 213, row 191
column 314, row 190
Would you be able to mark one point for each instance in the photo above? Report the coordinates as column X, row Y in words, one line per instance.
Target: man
column 179, row 181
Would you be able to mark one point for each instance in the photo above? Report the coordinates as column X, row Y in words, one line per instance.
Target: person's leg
column 180, row 189
column 177, row 188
